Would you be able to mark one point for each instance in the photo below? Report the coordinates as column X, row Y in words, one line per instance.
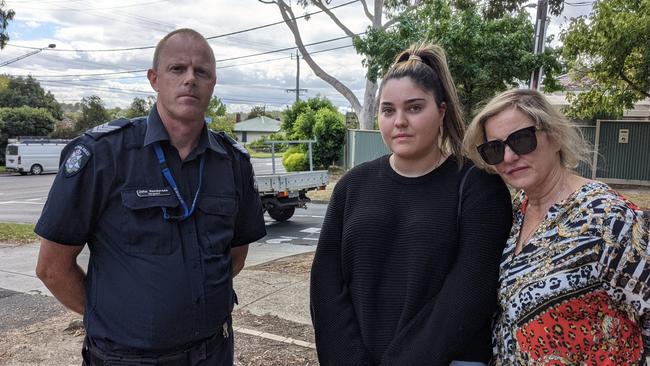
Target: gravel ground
column 43, row 333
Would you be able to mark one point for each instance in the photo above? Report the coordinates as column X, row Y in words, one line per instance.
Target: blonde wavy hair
column 573, row 148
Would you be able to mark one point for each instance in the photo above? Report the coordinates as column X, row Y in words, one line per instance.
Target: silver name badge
column 153, row 192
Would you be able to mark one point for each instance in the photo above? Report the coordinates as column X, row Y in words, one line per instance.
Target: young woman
column 406, row 267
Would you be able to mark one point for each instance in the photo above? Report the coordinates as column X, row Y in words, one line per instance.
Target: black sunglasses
column 521, row 142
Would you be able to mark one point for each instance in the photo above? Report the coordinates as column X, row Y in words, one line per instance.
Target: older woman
column 574, row 279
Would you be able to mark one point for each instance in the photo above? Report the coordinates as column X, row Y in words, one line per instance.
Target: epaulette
column 107, row 128
column 239, row 147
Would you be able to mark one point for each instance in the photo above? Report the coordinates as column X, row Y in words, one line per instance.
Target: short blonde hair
column 191, row 33
column 573, row 148
column 426, row 65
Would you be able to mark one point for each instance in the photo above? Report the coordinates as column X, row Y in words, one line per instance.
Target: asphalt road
column 22, row 196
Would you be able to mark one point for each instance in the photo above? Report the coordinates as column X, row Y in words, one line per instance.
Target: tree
column 6, row 15
column 23, row 121
column 26, row 91
column 216, row 108
column 366, row 111
column 329, row 132
column 610, row 49
column 485, row 56
column 138, row 108
column 257, row 111
column 223, row 123
column 93, row 113
column 290, row 115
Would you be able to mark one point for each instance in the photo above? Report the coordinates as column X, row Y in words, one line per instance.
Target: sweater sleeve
column 450, row 321
column 338, row 336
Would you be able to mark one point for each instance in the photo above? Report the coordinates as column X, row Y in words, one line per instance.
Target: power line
column 221, row 60
column 85, row 9
column 208, row 38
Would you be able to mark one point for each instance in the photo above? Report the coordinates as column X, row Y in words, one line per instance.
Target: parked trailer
column 34, row 155
column 282, row 193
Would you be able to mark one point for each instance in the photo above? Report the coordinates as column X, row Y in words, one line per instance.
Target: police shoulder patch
column 76, row 160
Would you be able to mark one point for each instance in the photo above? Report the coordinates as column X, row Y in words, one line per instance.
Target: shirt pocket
column 145, row 229
column 217, row 221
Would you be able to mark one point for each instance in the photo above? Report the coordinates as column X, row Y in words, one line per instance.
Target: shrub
column 296, row 162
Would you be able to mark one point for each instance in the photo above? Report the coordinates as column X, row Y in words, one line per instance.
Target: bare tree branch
column 632, row 85
column 319, row 4
column 365, row 9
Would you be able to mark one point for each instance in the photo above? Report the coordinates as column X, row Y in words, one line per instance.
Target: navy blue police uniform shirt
column 153, row 283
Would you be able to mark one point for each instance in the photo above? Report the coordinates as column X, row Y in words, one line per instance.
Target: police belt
column 188, row 356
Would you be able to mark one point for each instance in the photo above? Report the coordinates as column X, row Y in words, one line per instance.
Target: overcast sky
column 245, row 80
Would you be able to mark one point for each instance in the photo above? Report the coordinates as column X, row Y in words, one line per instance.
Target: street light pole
column 540, row 35
column 11, row 61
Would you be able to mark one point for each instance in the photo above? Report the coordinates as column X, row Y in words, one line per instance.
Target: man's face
column 184, row 79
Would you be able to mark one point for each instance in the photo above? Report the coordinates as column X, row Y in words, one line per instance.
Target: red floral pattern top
column 579, row 291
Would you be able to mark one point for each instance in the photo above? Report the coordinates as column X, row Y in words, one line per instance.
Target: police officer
column 167, row 208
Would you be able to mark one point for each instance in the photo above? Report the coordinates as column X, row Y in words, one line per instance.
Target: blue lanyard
column 187, row 212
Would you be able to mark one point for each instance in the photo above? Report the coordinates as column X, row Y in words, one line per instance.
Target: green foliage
column 93, row 113
column 295, row 159
column 225, row 124
column 138, row 108
column 216, row 108
column 304, row 125
column 26, row 121
column 257, row 111
column 26, row 91
column 290, row 115
column 23, row 121
column 6, row 15
column 485, row 55
column 498, row 8
column 611, row 49
column 329, row 131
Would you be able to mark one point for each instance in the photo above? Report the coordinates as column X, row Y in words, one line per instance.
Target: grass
column 2, row 169
column 255, row 154
column 17, row 233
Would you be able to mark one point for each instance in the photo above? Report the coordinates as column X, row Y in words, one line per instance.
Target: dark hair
column 184, row 31
column 426, row 65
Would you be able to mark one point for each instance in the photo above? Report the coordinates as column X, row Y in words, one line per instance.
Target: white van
column 36, row 156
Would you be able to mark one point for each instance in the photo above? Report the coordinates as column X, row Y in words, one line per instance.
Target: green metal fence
column 362, row 146
column 621, row 150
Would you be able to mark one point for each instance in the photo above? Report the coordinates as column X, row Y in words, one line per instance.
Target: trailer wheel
column 36, row 169
column 282, row 214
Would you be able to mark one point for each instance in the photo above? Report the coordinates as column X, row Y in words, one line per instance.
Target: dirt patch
column 295, row 264
column 58, row 340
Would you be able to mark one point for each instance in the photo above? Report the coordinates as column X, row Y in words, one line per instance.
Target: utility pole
column 540, row 38
column 297, row 90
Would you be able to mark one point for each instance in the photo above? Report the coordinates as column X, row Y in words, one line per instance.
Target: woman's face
column 526, row 171
column 409, row 119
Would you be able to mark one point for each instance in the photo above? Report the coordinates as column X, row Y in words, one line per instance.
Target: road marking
column 35, row 199
column 313, row 216
column 275, row 337
column 314, row 239
column 311, row 230
column 20, row 203
column 278, row 240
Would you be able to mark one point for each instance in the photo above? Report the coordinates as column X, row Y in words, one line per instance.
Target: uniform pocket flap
column 141, row 198
column 218, row 205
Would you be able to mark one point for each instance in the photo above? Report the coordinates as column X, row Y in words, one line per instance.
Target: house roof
column 258, row 124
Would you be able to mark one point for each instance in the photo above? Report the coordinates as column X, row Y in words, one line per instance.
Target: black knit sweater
column 394, row 280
